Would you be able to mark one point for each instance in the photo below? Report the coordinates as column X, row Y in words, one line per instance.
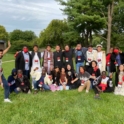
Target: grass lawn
column 62, row 107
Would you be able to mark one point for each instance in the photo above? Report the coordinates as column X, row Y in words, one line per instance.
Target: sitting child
column 71, row 75
column 11, row 81
column 22, row 83
column 102, row 84
column 63, row 80
column 119, row 78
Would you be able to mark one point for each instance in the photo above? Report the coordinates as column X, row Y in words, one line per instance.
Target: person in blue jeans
column 80, row 55
column 3, row 81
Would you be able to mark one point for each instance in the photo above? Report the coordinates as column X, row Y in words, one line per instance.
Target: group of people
column 54, row 71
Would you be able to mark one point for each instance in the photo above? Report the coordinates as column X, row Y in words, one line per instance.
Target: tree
column 22, row 35
column 3, row 33
column 54, row 33
column 84, row 18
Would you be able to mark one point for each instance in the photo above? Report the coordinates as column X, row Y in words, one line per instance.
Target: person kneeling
column 11, row 81
column 102, row 84
column 22, row 82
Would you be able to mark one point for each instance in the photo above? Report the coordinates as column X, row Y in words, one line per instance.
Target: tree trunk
column 91, row 38
column 110, row 13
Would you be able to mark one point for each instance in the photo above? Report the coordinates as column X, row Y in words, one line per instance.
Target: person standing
column 36, row 63
column 101, row 58
column 80, row 56
column 3, row 81
column 24, row 61
column 91, row 55
column 68, row 56
column 48, row 62
column 58, row 57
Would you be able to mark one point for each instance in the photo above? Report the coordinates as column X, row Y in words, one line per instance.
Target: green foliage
column 22, row 35
column 3, row 33
column 18, row 45
column 54, row 33
column 84, row 17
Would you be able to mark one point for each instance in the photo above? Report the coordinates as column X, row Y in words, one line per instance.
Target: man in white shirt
column 36, row 65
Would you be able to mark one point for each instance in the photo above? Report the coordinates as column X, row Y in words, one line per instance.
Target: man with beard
column 24, row 61
column 58, row 57
column 3, row 81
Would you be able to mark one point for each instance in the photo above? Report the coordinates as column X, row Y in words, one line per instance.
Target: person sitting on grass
column 102, row 84
column 94, row 71
column 11, row 81
column 119, row 81
column 48, row 80
column 63, row 80
column 22, row 83
column 71, row 75
column 84, row 77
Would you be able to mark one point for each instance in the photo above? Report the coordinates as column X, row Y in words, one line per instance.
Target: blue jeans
column 46, row 87
column 27, row 73
column 6, row 87
column 34, row 83
column 78, row 66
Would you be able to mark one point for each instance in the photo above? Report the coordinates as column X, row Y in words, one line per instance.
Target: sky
column 32, row 15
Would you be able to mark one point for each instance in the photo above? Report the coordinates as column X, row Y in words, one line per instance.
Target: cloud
column 32, row 15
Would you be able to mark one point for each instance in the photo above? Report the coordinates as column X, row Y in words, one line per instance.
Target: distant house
column 2, row 44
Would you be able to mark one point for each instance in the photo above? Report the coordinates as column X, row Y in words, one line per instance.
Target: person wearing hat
column 91, row 55
column 11, row 81
column 101, row 58
column 58, row 57
column 48, row 62
column 23, row 61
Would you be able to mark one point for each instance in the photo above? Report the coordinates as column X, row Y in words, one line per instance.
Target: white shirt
column 36, row 63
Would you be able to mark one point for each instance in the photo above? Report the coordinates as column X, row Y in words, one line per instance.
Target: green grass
column 61, row 107
column 8, row 57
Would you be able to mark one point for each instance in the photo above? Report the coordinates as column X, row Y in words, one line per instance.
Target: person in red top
column 108, row 59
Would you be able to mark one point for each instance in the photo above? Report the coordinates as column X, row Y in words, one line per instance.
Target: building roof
column 2, row 41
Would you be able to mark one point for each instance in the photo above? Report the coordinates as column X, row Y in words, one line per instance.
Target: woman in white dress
column 119, row 81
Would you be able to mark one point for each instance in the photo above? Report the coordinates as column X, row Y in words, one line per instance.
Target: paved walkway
column 8, row 61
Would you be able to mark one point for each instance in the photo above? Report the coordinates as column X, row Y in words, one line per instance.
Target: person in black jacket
column 71, row 76
column 68, row 56
column 117, row 58
column 58, row 57
column 22, row 82
column 56, row 75
column 94, row 71
column 24, row 62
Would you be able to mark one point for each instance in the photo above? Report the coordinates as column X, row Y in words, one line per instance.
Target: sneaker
column 87, row 91
column 7, row 100
column 97, row 97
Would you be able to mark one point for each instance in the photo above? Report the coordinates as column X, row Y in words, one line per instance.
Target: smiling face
column 99, row 48
column 121, row 68
column 81, row 69
column 57, row 48
column 66, row 48
column 68, row 67
column 48, row 48
column 93, row 64
column 35, row 49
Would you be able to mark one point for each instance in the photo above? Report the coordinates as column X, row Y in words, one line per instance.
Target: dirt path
column 8, row 61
